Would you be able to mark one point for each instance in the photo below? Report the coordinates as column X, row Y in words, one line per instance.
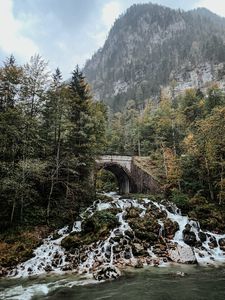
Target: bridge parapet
column 132, row 176
column 124, row 161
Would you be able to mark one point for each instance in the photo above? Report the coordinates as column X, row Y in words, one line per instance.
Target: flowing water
column 171, row 281
column 149, row 283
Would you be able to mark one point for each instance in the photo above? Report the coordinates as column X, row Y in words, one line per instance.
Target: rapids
column 101, row 259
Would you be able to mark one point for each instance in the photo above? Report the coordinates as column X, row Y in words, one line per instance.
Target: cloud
column 216, row 6
column 12, row 38
column 110, row 12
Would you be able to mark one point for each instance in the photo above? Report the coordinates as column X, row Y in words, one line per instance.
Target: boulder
column 127, row 254
column 182, row 254
column 202, row 236
column 107, row 272
column 139, row 264
column 138, row 249
column 170, row 228
column 48, row 268
column 133, row 212
column 3, row 272
column 212, row 242
column 189, row 236
column 222, row 242
column 129, row 234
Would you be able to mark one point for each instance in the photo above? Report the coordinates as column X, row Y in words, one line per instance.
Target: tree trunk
column 164, row 161
column 49, row 197
column 13, row 210
column 221, row 183
column 174, row 141
column 208, row 179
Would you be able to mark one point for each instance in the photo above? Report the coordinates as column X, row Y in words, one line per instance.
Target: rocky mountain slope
column 150, row 47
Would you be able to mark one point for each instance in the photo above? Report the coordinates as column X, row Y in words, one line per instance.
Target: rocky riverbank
column 116, row 233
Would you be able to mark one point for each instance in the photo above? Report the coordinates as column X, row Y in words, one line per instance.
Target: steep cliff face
column 150, row 46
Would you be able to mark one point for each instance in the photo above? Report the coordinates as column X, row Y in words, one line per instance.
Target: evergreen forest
column 52, row 131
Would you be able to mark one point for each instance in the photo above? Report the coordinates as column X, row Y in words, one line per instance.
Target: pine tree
column 10, row 76
column 80, row 139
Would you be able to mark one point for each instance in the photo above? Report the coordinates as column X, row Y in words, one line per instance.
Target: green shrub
column 181, row 200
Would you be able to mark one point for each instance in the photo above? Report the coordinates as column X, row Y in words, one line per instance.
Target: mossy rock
column 170, row 227
column 146, row 236
column 71, row 242
column 99, row 219
column 94, row 228
column 155, row 212
column 146, row 228
column 133, row 212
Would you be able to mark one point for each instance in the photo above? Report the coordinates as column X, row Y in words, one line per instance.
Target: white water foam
column 50, row 256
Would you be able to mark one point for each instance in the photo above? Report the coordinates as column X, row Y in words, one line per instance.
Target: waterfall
column 121, row 248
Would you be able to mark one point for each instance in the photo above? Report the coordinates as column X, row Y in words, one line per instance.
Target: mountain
column 151, row 46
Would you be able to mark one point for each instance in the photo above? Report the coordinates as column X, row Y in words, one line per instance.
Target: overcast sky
column 67, row 32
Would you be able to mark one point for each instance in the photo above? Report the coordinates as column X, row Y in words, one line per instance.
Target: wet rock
column 127, row 254
column 138, row 264
column 125, row 242
column 187, row 228
column 160, row 250
column 129, row 233
column 146, row 228
column 118, row 248
column 29, row 270
column 115, row 239
column 3, row 272
column 133, row 212
column 202, row 236
column 55, row 235
column 182, row 254
column 198, row 244
column 212, row 242
column 170, row 207
column 155, row 212
column 156, row 262
column 222, row 244
column 148, row 260
column 48, row 268
column 170, row 228
column 67, row 268
column 107, row 272
column 118, row 232
column 189, row 236
column 179, row 274
column 138, row 249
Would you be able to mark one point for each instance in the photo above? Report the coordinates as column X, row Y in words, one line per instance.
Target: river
column 30, row 281
column 148, row 283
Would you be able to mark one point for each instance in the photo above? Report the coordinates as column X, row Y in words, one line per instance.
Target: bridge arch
column 124, row 180
column 132, row 173
column 120, row 166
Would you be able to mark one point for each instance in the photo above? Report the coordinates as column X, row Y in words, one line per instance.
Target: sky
column 68, row 32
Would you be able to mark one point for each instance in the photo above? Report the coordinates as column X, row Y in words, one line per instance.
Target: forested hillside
column 52, row 130
column 185, row 142
column 152, row 46
column 50, row 133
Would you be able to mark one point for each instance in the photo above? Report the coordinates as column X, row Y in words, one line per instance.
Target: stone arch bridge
column 133, row 173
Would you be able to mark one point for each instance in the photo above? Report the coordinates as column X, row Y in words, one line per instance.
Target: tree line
column 50, row 134
column 183, row 136
column 51, row 131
